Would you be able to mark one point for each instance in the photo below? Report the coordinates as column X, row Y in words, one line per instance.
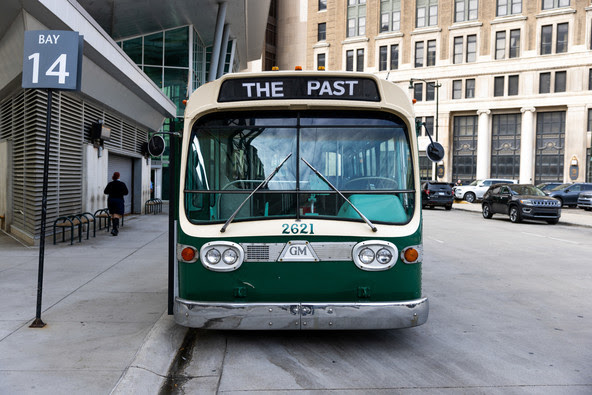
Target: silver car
column 476, row 189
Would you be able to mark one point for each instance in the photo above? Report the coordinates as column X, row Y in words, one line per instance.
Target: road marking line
column 552, row 238
column 439, row 241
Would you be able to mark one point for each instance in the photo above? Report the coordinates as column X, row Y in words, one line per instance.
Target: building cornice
column 465, row 25
column 426, row 30
column 386, row 36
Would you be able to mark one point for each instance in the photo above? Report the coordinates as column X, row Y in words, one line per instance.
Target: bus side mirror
column 435, row 151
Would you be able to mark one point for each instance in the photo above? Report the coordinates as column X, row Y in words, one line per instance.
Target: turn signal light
column 275, row 68
column 188, row 253
column 411, row 255
column 298, row 68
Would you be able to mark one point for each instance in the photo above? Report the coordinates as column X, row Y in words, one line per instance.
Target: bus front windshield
column 364, row 155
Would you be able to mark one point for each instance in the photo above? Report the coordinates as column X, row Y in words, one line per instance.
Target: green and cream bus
column 299, row 205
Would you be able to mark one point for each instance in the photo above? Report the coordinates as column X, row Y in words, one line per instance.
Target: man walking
column 116, row 190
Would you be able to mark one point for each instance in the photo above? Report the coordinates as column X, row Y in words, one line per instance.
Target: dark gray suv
column 568, row 194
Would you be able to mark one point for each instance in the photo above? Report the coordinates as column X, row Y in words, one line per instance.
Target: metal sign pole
column 38, row 323
column 172, row 202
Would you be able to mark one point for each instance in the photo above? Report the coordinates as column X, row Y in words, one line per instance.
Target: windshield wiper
column 269, row 177
column 370, row 224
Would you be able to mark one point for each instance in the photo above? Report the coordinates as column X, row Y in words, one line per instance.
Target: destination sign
column 304, row 87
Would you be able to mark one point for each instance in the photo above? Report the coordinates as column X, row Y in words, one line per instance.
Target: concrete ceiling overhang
column 109, row 76
column 247, row 20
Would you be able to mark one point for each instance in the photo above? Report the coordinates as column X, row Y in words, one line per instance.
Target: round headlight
column 366, row 255
column 213, row 256
column 384, row 256
column 229, row 256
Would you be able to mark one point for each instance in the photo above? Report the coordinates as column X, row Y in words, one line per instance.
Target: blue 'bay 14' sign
column 52, row 59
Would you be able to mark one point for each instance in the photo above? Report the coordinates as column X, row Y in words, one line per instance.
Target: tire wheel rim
column 485, row 211
column 513, row 215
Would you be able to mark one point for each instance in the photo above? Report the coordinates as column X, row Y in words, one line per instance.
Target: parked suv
column 585, row 200
column 568, row 194
column 436, row 194
column 520, row 201
column 476, row 189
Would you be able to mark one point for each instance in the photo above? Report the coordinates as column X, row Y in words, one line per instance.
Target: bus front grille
column 270, row 252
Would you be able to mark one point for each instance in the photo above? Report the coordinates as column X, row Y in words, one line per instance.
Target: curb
column 149, row 369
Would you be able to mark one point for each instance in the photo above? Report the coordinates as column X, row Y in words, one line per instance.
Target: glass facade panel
column 176, row 47
column 505, row 146
column 133, row 49
column 175, row 87
column 464, row 148
column 153, row 48
column 155, row 74
column 549, row 150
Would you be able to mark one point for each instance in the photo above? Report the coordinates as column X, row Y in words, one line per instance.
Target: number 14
column 59, row 64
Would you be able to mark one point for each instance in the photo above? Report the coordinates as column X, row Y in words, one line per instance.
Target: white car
column 476, row 189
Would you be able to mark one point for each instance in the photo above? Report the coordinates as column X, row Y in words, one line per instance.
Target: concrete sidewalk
column 103, row 301
column 569, row 216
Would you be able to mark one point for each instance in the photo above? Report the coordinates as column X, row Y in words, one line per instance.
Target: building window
column 550, row 143
column 546, row 39
column 513, row 85
column 395, row 57
column 498, row 86
column 383, row 58
column 349, row 60
column 465, row 10
column 418, row 91
column 500, row 45
column 457, row 89
column 505, row 146
column 561, row 38
column 550, row 4
column 545, row 83
column 430, row 88
column 383, row 61
column 509, row 7
column 322, row 32
column 469, row 88
column 560, row 81
column 464, row 148
column 471, row 48
column 322, row 5
column 431, row 59
column 419, row 54
column 561, row 42
column 360, row 60
column 590, row 80
column 514, row 43
column 426, row 13
column 390, row 16
column 501, row 48
column 320, row 61
column 458, row 50
column 356, row 18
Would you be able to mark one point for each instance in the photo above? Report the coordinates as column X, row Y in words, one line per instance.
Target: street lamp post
column 436, row 85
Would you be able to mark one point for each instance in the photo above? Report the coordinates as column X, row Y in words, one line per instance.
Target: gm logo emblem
column 298, row 251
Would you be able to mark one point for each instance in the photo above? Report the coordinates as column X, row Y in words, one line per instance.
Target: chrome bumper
column 277, row 316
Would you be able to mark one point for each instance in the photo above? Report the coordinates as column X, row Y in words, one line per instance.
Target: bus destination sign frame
column 300, row 87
